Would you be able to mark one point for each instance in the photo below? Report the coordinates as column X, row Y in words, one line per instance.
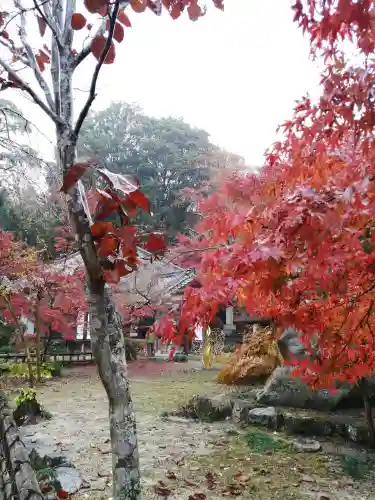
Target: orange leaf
column 138, row 5
column 108, row 245
column 127, row 235
column 97, row 48
column 100, row 229
column 95, row 6
column 106, row 205
column 140, row 200
column 155, row 243
column 42, row 25
column 75, row 172
column 130, row 207
column 114, row 275
column 78, row 21
column 123, row 19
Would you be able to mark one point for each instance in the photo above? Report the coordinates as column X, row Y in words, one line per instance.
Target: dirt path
column 190, row 451
column 79, row 427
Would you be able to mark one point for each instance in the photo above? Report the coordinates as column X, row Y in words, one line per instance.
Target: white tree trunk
column 109, row 352
column 107, row 343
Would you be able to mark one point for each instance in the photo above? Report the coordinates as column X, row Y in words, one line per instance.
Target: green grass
column 356, row 468
column 262, row 442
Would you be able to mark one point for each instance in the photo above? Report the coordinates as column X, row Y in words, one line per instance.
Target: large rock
column 69, row 479
column 283, row 389
column 207, row 409
column 268, row 417
column 308, row 425
column 241, row 410
column 290, row 345
column 306, row 445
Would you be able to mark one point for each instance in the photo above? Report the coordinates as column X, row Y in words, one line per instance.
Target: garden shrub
column 257, row 357
column 6, row 349
column 28, row 410
column 21, row 370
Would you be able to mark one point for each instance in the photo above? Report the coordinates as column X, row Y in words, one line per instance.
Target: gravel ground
column 212, row 459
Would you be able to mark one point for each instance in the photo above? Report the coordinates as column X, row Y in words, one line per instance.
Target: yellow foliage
column 257, row 357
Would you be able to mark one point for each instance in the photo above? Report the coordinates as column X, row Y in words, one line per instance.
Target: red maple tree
column 33, row 290
column 296, row 243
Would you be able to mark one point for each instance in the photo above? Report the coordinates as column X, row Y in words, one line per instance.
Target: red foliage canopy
column 297, row 242
column 31, row 289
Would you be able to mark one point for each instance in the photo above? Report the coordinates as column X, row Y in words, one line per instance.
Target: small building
column 157, row 282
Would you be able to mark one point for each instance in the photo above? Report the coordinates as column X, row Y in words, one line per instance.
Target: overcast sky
column 235, row 73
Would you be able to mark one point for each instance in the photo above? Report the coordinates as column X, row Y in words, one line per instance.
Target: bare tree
column 58, row 24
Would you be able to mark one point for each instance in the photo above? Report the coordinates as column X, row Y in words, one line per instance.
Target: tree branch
column 94, row 81
column 26, row 87
column 67, row 28
column 32, row 59
column 87, row 49
column 48, row 19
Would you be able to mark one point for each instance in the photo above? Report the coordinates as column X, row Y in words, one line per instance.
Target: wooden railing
column 64, row 358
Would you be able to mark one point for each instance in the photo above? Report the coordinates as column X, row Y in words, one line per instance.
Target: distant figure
column 151, row 345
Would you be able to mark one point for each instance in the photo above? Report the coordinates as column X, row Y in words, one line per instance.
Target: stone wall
column 17, row 478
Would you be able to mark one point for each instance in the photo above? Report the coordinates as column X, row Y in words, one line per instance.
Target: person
column 151, row 345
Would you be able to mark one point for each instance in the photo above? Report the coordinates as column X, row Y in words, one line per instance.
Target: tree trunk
column 106, row 336
column 29, row 366
column 108, row 348
column 37, row 350
column 368, row 411
column 47, row 345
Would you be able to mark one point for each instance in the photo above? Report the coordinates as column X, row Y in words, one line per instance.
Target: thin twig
column 87, row 49
column 26, row 87
column 94, row 81
column 48, row 20
column 32, row 59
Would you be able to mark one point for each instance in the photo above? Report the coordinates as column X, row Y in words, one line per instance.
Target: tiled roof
column 154, row 280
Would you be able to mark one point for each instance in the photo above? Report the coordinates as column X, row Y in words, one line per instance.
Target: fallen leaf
column 180, row 461
column 234, row 490
column 170, row 475
column 162, row 489
column 197, row 496
column 211, row 479
column 241, row 477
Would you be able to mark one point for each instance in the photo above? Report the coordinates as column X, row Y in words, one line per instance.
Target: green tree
column 166, row 154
